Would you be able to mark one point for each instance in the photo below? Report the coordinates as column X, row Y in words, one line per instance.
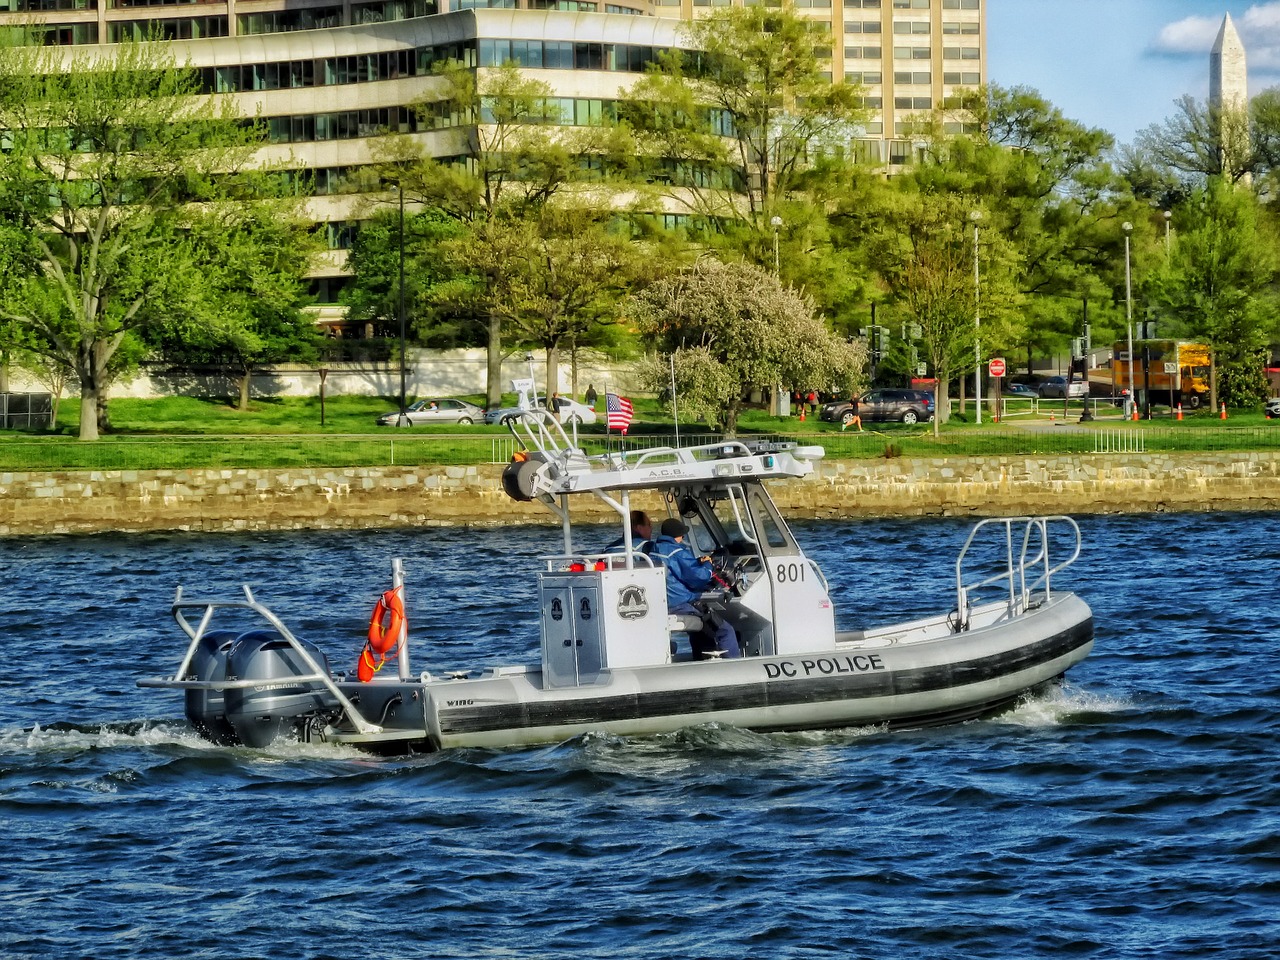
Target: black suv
column 905, row 406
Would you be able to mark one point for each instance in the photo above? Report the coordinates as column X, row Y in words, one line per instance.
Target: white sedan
column 425, row 412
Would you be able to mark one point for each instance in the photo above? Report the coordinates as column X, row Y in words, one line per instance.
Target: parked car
column 570, row 412
column 1273, row 408
column 440, row 410
column 905, row 406
column 1019, row 390
column 1059, row 388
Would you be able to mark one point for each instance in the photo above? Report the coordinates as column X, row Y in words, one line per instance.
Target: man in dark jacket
column 688, row 577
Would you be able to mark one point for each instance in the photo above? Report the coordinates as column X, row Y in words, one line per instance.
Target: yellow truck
column 1164, row 371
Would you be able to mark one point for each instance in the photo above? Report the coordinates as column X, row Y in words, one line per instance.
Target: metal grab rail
column 1032, row 555
column 317, row 675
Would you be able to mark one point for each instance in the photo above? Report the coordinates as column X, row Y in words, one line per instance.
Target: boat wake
column 70, row 739
column 1063, row 705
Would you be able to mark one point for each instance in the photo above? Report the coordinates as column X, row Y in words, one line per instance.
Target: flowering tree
column 731, row 327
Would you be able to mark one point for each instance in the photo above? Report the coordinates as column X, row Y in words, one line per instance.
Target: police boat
column 613, row 659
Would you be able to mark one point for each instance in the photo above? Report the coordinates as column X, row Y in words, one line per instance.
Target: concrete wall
column 362, row 497
column 427, row 373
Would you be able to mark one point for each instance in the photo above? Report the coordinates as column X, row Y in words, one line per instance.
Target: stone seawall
column 364, row 497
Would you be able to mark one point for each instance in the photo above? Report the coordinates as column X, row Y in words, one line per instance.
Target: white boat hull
column 908, row 684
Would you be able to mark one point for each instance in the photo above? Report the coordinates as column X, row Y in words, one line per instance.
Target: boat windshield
column 738, row 520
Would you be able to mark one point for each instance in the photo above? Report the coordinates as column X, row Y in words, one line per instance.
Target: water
column 1132, row 814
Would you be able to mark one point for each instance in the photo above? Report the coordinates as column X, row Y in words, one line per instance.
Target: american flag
column 618, row 410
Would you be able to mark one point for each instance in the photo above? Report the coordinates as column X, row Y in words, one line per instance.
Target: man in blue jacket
column 687, row 577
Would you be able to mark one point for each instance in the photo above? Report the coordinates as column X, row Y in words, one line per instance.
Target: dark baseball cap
column 671, row 527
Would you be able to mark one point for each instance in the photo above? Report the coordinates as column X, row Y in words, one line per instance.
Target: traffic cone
column 1135, row 413
column 1179, row 411
column 1222, row 413
column 802, row 414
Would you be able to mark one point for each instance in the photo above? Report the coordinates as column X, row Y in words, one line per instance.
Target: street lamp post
column 975, row 216
column 775, row 222
column 403, row 419
column 1168, row 215
column 1128, row 307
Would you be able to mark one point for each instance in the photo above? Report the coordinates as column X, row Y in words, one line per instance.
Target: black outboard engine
column 206, row 709
column 262, row 713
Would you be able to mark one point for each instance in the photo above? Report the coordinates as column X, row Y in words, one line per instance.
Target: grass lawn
column 187, row 432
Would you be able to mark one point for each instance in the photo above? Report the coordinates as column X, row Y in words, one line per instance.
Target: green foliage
column 106, row 156
column 430, row 281
column 732, row 327
column 1218, row 285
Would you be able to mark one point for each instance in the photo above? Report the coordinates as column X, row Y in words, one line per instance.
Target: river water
column 1134, row 813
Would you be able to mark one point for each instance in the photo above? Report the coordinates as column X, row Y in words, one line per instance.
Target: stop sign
column 996, row 367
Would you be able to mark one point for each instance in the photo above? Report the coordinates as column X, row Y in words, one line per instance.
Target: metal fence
column 245, row 452
column 26, row 411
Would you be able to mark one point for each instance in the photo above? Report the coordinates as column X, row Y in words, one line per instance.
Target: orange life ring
column 384, row 637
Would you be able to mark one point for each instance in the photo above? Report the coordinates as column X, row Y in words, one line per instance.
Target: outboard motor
column 262, row 713
column 206, row 709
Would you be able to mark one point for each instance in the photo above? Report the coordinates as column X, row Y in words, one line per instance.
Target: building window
column 965, row 28
column 178, row 28
column 862, row 4
column 287, row 21
column 958, row 4
column 914, row 27
column 912, row 103
column 385, row 11
column 912, row 77
column 911, row 53
column 911, row 4
column 862, row 26
column 957, row 78
column 961, row 53
column 41, row 6
column 865, row 77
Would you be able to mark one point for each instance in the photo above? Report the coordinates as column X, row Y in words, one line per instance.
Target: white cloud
column 1189, row 36
column 1260, row 32
column 1192, row 38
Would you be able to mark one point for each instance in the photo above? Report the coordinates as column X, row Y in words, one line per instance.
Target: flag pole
column 675, row 408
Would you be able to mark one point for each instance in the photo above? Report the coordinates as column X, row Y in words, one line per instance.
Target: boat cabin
column 605, row 609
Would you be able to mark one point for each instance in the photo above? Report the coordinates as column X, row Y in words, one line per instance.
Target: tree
column 108, row 158
column 923, row 253
column 747, row 128
column 729, row 327
column 515, row 163
column 565, row 277
column 247, row 309
column 430, row 280
column 1218, row 286
column 1047, row 203
column 1199, row 141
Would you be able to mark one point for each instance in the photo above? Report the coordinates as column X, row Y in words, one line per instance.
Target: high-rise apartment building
column 909, row 55
column 328, row 76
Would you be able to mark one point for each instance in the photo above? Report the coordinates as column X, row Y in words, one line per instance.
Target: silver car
column 1060, row 388
column 446, row 410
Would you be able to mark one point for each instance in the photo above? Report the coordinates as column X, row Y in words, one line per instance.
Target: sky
column 1121, row 64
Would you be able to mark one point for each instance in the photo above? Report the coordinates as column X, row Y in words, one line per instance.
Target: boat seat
column 683, row 623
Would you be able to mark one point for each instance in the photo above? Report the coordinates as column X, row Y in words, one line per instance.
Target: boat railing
column 1020, row 568
column 184, row 611
column 585, row 562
